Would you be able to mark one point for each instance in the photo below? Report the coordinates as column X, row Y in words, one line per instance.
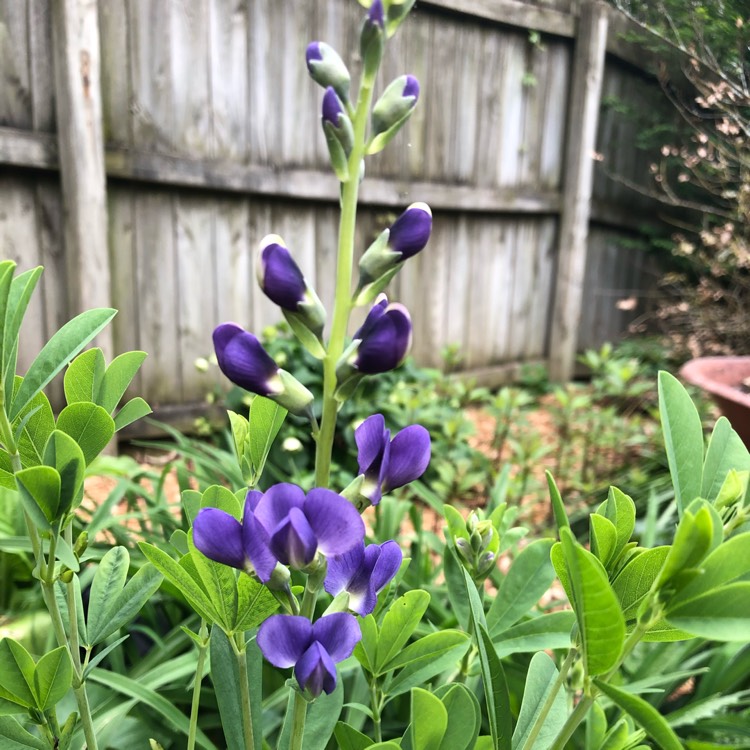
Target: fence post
column 76, row 55
column 583, row 116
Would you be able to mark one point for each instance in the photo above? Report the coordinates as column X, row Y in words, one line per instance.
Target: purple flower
column 247, row 364
column 411, row 231
column 313, row 649
column 278, row 275
column 244, row 361
column 327, row 68
column 221, row 537
column 411, row 88
column 282, row 524
column 385, row 338
column 363, row 573
column 333, row 109
column 388, row 464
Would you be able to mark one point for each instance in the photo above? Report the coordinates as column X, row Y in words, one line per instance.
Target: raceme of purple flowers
column 282, row 524
column 388, row 464
column 313, row 649
column 363, row 573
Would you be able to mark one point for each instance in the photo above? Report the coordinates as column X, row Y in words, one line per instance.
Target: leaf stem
column 195, row 704
column 240, row 654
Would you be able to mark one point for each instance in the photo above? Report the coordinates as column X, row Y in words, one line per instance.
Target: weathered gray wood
column 583, row 112
column 81, row 151
column 15, row 93
column 41, row 72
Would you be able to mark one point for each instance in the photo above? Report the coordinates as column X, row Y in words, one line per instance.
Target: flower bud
column 397, row 12
column 283, row 283
column 279, row 580
column 328, row 69
column 247, row 364
column 476, row 541
column 406, row 237
column 485, row 563
column 339, row 133
column 392, row 110
column 372, row 39
column 464, row 550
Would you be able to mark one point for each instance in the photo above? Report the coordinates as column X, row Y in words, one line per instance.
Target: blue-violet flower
column 363, row 573
column 313, row 649
column 385, row 338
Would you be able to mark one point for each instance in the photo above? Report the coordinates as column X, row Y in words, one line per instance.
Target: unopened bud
column 464, row 549
column 328, row 69
column 371, row 39
column 81, row 543
column 392, row 110
column 279, row 580
column 486, row 561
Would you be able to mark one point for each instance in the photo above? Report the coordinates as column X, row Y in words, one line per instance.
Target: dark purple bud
column 411, row 87
column 312, row 649
column 411, row 231
column 385, row 338
column 327, row 68
column 313, row 55
column 244, row 361
column 278, row 275
column 333, row 109
column 376, row 14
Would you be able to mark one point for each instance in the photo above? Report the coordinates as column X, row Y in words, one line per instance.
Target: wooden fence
column 147, row 145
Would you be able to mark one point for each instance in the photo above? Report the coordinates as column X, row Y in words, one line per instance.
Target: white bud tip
column 271, row 239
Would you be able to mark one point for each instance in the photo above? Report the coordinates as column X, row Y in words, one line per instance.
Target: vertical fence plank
column 75, row 37
column 583, row 112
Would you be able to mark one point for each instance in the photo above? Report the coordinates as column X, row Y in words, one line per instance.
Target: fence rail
column 208, row 136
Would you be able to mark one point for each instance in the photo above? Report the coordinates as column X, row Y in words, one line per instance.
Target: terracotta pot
column 723, row 378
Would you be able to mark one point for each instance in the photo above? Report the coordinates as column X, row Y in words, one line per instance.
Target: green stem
column 550, row 700
column 299, row 714
column 197, row 686
column 375, row 705
column 247, row 714
column 342, row 303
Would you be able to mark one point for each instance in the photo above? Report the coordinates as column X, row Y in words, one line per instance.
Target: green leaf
column 21, row 289
column 366, row 650
column 7, row 268
column 84, row 375
column 89, row 425
column 550, row 631
column 39, row 488
column 399, row 623
column 64, row 553
column 619, row 508
column 17, row 670
column 558, row 507
column 645, row 714
column 101, row 655
column 635, row 580
column 348, row 738
column 181, row 579
column 603, row 538
column 428, row 648
column 240, row 428
column 117, row 378
column 57, row 352
column 722, row 614
column 66, row 456
column 108, row 584
column 322, row 716
column 496, row 692
column 152, row 699
column 540, row 680
column 128, row 603
column 52, row 677
column 429, row 720
column 464, row 718
column 36, row 430
column 454, row 581
column 133, row 410
column 220, row 583
column 528, row 578
column 225, row 675
column 266, row 418
column 725, row 451
column 15, row 737
column 683, row 438
column 220, row 497
column 61, row 596
column 726, row 563
column 255, row 603
column 692, row 542
column 600, row 620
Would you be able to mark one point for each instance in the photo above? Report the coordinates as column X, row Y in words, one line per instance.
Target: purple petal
column 376, row 312
column 284, row 638
column 386, row 566
column 411, row 231
column 386, row 344
column 219, row 537
column 312, row 54
column 243, row 360
column 251, row 501
column 410, row 456
column 376, row 13
column 276, row 503
column 294, row 542
column 332, row 107
column 335, row 521
column 338, row 633
column 256, row 543
column 316, row 670
column 342, row 568
column 411, row 87
column 373, row 451
column 280, row 277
